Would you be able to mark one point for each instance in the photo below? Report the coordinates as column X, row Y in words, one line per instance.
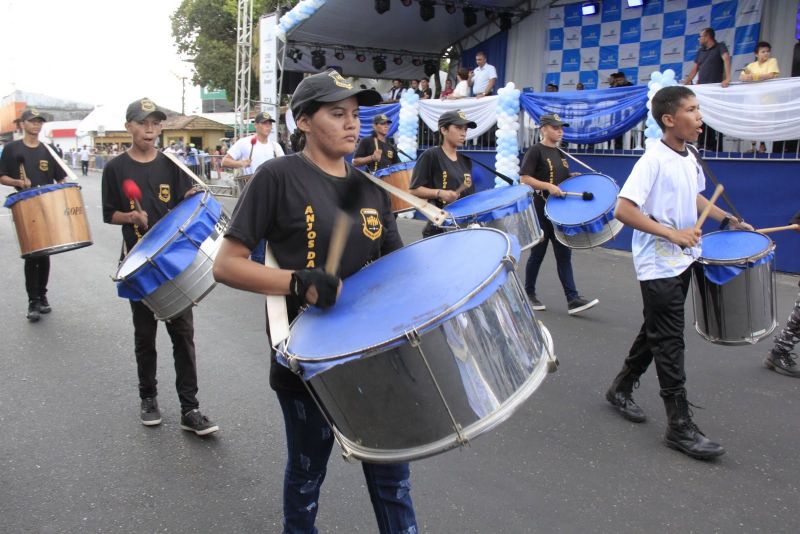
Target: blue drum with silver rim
column 509, row 209
column 425, row 349
column 580, row 223
column 734, row 288
column 170, row 268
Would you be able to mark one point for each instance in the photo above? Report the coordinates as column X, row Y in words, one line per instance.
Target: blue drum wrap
column 410, row 289
column 489, row 205
column 731, row 246
column 35, row 191
column 165, row 252
column 386, row 171
column 573, row 215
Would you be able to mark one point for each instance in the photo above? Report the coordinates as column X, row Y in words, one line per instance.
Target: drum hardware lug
column 294, row 365
column 552, row 364
column 510, row 262
column 462, row 440
column 414, row 338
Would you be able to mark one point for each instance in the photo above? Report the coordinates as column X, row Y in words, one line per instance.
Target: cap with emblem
column 381, row 119
column 139, row 110
column 32, row 114
column 455, row 117
column 263, row 117
column 329, row 86
column 552, row 119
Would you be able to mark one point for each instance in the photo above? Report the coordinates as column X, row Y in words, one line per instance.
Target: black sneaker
column 33, row 311
column 536, row 304
column 580, row 304
column 194, row 421
column 783, row 364
column 150, row 414
column 44, row 306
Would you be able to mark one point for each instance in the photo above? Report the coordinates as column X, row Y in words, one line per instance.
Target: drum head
column 487, row 201
column 36, row 191
column 572, row 211
column 734, row 245
column 409, row 289
column 397, row 167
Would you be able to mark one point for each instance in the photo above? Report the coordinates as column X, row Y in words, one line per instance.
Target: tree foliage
column 205, row 33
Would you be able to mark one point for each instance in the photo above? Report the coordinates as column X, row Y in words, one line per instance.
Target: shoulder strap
column 708, row 172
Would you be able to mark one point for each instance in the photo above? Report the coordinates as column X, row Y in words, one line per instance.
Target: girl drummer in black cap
column 292, row 202
column 441, row 174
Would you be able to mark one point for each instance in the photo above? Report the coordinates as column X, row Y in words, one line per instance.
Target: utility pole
column 244, row 48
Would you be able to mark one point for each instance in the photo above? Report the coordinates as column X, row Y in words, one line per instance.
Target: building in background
column 66, row 113
column 215, row 101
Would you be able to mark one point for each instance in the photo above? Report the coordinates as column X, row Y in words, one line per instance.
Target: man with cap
column 26, row 163
column 162, row 186
column 376, row 151
column 442, row 175
column 543, row 168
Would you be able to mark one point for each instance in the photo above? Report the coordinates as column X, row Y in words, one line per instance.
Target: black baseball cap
column 329, row 86
column 30, row 114
column 263, row 117
column 455, row 117
column 139, row 110
column 552, row 119
column 381, row 119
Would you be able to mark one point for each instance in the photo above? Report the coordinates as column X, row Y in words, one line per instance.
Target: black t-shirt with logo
column 163, row 187
column 435, row 170
column 710, row 65
column 40, row 167
column 426, row 93
column 293, row 204
column 367, row 146
column 546, row 164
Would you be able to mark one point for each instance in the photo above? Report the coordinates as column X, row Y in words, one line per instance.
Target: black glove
column 327, row 286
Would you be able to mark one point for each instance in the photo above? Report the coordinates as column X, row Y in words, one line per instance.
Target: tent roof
column 354, row 25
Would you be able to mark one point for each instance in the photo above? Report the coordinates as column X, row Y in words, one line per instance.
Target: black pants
column 85, row 167
column 37, row 273
column 661, row 335
column 181, row 331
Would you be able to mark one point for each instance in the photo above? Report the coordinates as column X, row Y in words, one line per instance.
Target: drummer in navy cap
column 543, row 168
column 26, row 163
column 442, row 175
column 292, row 202
column 376, row 151
column 163, row 186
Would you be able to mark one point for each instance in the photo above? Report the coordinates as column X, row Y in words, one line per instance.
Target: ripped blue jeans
column 309, row 441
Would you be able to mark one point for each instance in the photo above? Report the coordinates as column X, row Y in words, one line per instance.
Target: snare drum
column 170, row 268
column 579, row 223
column 734, row 288
column 49, row 219
column 425, row 349
column 398, row 175
column 509, row 209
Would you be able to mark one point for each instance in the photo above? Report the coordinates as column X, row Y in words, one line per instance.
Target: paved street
column 74, row 457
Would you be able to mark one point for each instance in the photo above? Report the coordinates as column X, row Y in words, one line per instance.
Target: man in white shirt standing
column 483, row 78
column 85, row 161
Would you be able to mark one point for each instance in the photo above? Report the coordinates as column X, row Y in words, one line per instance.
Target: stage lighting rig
column 431, row 67
column 318, row 59
column 450, row 7
column 379, row 64
column 294, row 54
column 339, row 54
column 470, row 16
column 382, row 6
column 417, row 61
column 361, row 58
column 398, row 60
column 427, row 10
column 505, row 21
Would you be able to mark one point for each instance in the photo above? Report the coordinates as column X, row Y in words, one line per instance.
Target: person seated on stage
column 162, row 186
column 543, row 168
column 309, row 186
column 660, row 201
column 415, row 88
column 579, row 86
column 763, row 68
column 442, row 175
column 448, row 89
column 424, row 88
column 395, row 92
column 551, row 88
column 620, row 80
column 781, row 359
column 40, row 168
column 462, row 87
column 376, row 151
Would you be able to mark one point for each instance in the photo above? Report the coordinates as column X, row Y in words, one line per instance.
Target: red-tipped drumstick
column 132, row 191
column 253, row 141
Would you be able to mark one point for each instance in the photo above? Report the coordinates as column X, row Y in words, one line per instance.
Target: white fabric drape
column 526, row 58
column 481, row 110
column 769, row 111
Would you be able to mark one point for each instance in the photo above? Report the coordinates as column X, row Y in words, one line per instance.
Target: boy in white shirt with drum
column 660, row 201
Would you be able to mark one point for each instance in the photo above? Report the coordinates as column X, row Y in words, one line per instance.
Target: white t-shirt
column 462, row 89
column 664, row 184
column 261, row 152
column 481, row 77
column 84, row 154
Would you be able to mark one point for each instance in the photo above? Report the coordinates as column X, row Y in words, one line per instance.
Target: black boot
column 683, row 435
column 620, row 395
column 33, row 310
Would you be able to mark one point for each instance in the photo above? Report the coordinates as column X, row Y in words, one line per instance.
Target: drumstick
column 717, row 192
column 570, row 156
column 436, row 215
column 61, row 163
column 341, row 227
column 22, row 174
column 253, row 141
column 779, row 229
column 132, row 191
column 586, row 195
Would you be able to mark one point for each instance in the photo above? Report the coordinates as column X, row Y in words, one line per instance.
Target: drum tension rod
column 414, row 339
column 510, row 262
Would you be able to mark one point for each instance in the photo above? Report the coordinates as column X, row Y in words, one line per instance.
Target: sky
column 93, row 51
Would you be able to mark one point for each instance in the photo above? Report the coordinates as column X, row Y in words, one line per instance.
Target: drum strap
column 277, row 314
column 708, row 172
column 434, row 214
